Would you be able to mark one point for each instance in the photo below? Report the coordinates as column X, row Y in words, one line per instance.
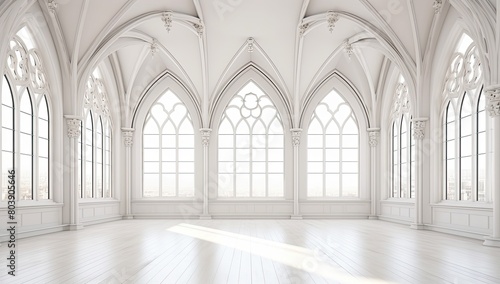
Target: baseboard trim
column 180, row 217
column 96, row 221
column 335, row 217
column 456, row 232
column 395, row 220
column 34, row 232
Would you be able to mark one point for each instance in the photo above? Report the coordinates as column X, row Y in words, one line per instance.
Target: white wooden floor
column 252, row 251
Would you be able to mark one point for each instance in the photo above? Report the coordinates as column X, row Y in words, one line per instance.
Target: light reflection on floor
column 293, row 256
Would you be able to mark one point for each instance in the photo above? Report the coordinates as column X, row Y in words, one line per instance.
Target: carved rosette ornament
column 373, row 135
column 167, row 20
column 419, row 128
column 493, row 101
column 332, row 18
column 52, row 6
column 128, row 136
column 74, row 129
column 154, row 47
column 250, row 43
column 296, row 132
column 199, row 28
column 205, row 136
column 437, row 5
column 349, row 50
column 303, row 28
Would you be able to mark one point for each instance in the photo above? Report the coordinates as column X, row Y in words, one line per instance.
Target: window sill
column 336, row 200
column 248, row 200
column 169, row 200
column 410, row 201
column 463, row 205
column 29, row 204
column 97, row 200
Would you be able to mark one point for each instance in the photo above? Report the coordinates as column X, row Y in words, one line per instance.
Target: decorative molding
column 401, row 102
column 199, row 28
column 205, row 136
column 348, row 48
column 296, row 132
column 303, row 28
column 493, row 101
column 25, row 66
column 154, row 47
column 52, row 6
column 128, row 136
column 73, row 123
column 373, row 134
column 95, row 97
column 464, row 72
column 437, row 5
column 419, row 128
column 332, row 19
column 250, row 43
column 167, row 20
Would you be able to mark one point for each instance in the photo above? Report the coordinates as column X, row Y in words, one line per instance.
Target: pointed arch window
column 465, row 127
column 95, row 176
column 403, row 145
column 251, row 147
column 25, row 120
column 333, row 150
column 168, row 155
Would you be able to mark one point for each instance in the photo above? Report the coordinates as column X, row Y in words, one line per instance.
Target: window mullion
column 17, row 143
column 324, row 162
column 458, row 153
column 474, row 158
column 34, row 152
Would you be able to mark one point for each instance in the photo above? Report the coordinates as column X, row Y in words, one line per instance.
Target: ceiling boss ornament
column 303, row 28
column 348, row 49
column 199, row 28
column 250, row 43
column 332, row 18
column 52, row 6
column 167, row 20
column 437, row 5
column 154, row 47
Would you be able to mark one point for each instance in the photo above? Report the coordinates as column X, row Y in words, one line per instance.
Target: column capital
column 296, row 132
column 128, row 136
column 419, row 127
column 205, row 136
column 73, row 123
column 493, row 100
column 373, row 134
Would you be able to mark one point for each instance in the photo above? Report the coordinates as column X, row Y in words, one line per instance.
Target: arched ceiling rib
column 205, row 42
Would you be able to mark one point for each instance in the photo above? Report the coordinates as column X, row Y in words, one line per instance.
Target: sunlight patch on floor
column 293, row 256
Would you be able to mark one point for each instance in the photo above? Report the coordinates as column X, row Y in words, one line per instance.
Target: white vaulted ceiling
column 122, row 31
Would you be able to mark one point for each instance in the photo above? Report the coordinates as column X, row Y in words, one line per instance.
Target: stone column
column 128, row 139
column 296, row 132
column 205, row 140
column 419, row 135
column 74, row 132
column 373, row 136
column 493, row 108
